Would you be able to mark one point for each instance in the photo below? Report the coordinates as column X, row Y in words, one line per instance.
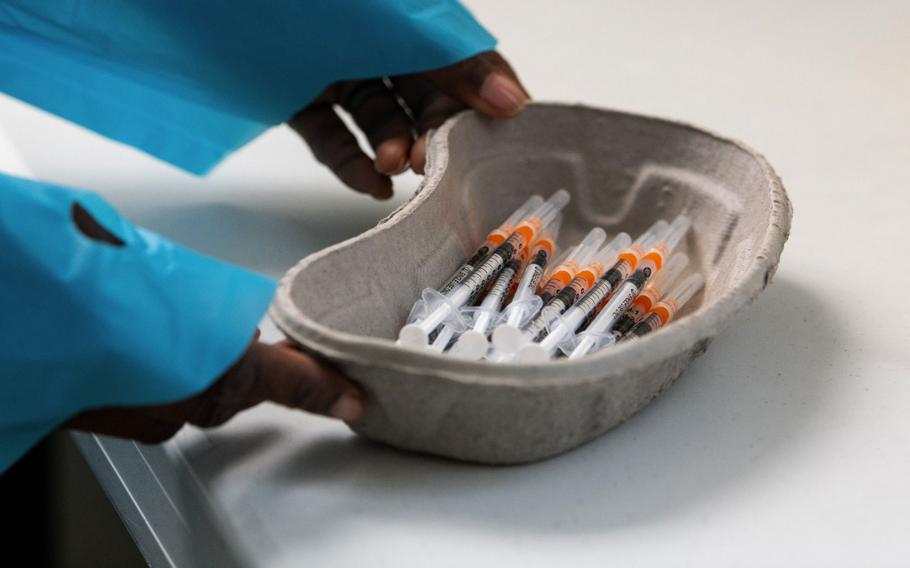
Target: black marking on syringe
column 640, row 277
column 643, row 327
column 457, row 278
column 489, row 269
column 612, row 277
column 623, row 325
column 462, row 273
column 595, row 296
column 565, row 298
column 538, row 326
column 638, row 280
column 504, row 280
column 553, row 308
column 480, row 255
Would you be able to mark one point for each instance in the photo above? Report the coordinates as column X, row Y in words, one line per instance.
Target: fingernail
column 502, row 93
column 349, row 407
column 391, row 158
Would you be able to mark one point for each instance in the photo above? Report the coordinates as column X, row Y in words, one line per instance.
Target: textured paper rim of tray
column 699, row 326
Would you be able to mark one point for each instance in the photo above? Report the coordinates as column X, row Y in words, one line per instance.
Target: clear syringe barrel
column 492, row 303
column 495, row 238
column 669, row 274
column 473, row 343
column 625, row 296
column 562, row 330
column 583, row 281
column 669, row 305
column 552, row 206
column 445, row 307
column 577, row 257
column 508, row 335
column 650, row 294
column 523, row 235
column 648, row 267
column 605, row 315
column 675, row 233
column 652, row 234
column 538, row 259
column 523, row 211
column 626, row 261
column 587, row 248
column 660, row 245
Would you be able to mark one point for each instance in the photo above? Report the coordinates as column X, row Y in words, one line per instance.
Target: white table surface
column 787, row 444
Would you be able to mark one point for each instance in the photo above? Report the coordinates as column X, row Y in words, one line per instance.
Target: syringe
column 595, row 336
column 495, row 238
column 568, row 267
column 507, row 335
column 472, row 344
column 650, row 294
column 438, row 308
column 583, row 281
column 540, row 254
column 563, row 329
column 667, row 308
column 442, row 339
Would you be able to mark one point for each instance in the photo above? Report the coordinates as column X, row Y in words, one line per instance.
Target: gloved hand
column 278, row 373
column 395, row 114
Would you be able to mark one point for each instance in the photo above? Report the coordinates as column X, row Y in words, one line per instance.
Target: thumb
column 294, row 379
column 485, row 82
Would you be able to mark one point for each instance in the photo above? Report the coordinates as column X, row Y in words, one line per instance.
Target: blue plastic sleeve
column 189, row 82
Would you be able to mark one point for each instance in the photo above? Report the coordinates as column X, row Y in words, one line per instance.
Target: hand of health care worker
column 393, row 111
column 280, row 373
column 277, row 373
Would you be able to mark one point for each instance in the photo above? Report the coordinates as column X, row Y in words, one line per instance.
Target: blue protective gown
column 86, row 324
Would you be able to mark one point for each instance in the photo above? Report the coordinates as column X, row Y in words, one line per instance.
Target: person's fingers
column 419, row 155
column 334, row 146
column 279, row 373
column 377, row 112
column 296, row 380
column 485, row 82
column 429, row 106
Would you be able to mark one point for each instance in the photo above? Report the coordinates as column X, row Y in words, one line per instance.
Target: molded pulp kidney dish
column 346, row 303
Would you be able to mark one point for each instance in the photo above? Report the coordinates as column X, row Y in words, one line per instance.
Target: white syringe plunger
column 432, row 310
column 471, row 345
